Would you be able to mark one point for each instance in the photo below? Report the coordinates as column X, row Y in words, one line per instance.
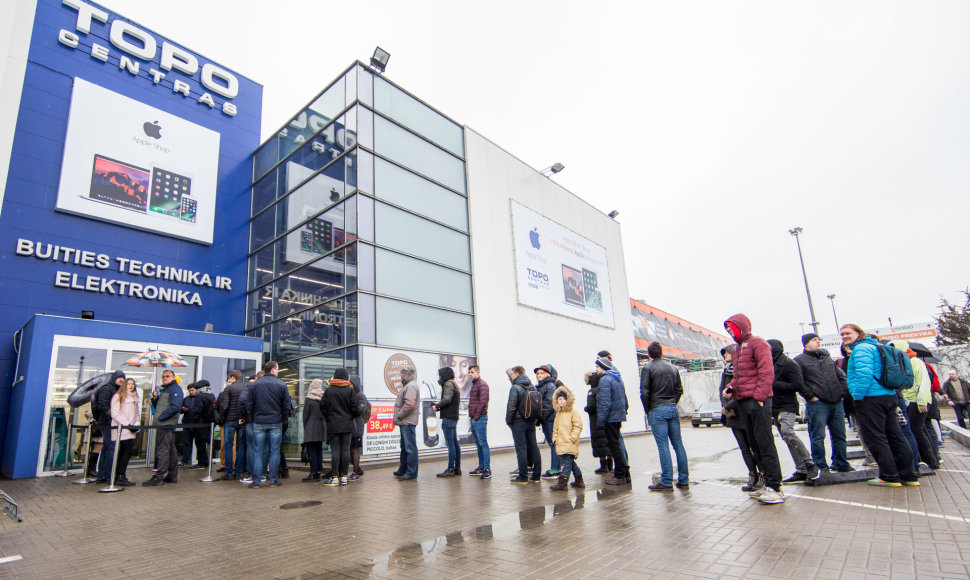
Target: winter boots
column 755, row 482
column 579, row 482
column 606, row 465
column 560, row 484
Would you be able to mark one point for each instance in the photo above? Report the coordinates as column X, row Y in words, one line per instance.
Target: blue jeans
column 479, row 433
column 107, row 454
column 409, row 451
column 962, row 409
column 821, row 415
column 555, row 464
column 665, row 423
column 250, row 449
column 526, row 448
column 267, row 437
column 235, row 455
column 450, row 429
column 569, row 465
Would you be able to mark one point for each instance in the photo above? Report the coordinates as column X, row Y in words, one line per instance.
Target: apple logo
column 153, row 130
column 334, row 194
column 534, row 238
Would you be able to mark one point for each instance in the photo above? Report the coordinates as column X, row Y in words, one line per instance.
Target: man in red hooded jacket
column 753, row 375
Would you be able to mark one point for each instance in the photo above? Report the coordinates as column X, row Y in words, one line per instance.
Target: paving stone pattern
column 469, row 528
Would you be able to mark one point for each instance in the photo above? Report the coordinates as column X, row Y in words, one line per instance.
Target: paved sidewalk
column 465, row 527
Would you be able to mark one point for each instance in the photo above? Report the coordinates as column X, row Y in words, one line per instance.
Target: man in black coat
column 788, row 384
column 825, row 385
column 196, row 409
column 102, row 414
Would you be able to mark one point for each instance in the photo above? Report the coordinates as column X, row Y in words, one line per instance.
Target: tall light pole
column 811, row 309
column 831, row 298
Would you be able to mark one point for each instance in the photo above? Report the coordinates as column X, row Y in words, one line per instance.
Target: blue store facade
column 127, row 198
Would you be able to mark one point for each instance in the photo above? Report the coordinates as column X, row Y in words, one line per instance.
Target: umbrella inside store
column 156, row 358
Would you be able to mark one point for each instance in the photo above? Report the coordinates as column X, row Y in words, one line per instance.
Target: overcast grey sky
column 712, row 127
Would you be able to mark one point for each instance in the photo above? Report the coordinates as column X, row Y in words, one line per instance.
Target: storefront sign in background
column 558, row 270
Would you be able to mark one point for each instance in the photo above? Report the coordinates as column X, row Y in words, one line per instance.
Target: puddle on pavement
column 504, row 527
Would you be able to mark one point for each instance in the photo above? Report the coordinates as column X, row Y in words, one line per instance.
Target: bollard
column 212, row 431
column 87, row 456
column 114, row 467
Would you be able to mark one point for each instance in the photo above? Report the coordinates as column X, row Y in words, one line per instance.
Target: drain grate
column 295, row 505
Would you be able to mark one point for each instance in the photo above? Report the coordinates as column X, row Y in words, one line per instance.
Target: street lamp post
column 811, row 309
column 831, row 298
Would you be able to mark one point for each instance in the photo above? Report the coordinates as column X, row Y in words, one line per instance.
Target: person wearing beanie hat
column 546, row 385
column 102, row 415
column 611, row 408
column 824, row 386
column 340, row 405
column 447, row 407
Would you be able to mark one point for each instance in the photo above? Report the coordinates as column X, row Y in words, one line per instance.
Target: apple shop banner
column 558, row 270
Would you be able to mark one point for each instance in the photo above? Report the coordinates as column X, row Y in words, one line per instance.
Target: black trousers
column 621, row 469
column 918, row 423
column 757, row 423
column 880, row 427
column 124, row 456
column 747, row 450
column 340, row 454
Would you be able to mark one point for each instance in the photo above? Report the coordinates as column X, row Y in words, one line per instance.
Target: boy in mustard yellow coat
column 566, row 430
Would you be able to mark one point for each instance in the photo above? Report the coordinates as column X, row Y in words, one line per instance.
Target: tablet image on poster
column 132, row 164
column 558, row 270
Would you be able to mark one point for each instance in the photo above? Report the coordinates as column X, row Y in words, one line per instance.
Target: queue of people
column 760, row 388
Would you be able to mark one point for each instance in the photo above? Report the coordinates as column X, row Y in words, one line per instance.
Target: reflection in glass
column 396, row 229
column 440, row 286
column 412, row 151
column 401, row 187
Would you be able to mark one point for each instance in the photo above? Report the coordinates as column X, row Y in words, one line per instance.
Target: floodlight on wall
column 553, row 169
column 379, row 61
column 87, row 314
column 613, row 214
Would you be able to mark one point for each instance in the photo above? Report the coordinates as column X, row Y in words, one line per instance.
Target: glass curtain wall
column 359, row 234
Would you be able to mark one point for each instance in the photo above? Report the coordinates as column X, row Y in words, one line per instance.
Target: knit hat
column 604, row 363
column 546, row 368
column 806, row 338
column 341, row 374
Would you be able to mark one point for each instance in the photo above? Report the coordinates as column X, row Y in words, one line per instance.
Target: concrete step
column 856, row 453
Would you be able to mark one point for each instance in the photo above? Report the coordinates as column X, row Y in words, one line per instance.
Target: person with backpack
column 357, row 440
column 102, row 415
column 546, row 385
column 918, row 398
column 448, row 407
column 875, row 406
column 611, row 408
column 522, row 412
column 196, row 408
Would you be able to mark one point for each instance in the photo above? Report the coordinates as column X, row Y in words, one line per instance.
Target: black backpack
column 530, row 406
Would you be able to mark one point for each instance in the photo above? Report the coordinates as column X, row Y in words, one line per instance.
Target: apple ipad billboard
column 558, row 270
column 324, row 232
column 132, row 164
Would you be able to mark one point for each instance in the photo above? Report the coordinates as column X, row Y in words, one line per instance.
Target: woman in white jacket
column 125, row 410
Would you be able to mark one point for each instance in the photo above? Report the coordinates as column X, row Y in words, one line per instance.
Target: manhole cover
column 300, row 504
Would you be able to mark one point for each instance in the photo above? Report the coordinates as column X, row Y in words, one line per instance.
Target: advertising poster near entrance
column 381, row 375
column 558, row 270
column 132, row 164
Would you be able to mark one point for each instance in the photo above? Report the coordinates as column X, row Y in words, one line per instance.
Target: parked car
column 707, row 414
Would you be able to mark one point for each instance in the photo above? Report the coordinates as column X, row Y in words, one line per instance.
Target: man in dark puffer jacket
column 788, row 384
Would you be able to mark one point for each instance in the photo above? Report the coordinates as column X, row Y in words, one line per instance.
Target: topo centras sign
column 104, row 285
column 142, row 45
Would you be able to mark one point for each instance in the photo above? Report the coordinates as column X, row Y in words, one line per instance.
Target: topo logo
column 537, row 279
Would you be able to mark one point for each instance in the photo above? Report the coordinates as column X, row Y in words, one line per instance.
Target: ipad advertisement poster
column 558, row 270
column 132, row 164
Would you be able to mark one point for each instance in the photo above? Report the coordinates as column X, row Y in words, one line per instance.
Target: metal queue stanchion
column 114, row 465
column 212, row 443
column 69, row 447
column 87, row 456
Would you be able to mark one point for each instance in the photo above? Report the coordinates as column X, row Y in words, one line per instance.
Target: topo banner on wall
column 132, row 164
column 558, row 270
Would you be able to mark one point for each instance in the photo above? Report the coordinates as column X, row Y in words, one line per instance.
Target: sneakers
column 883, row 483
column 153, row 482
column 476, row 471
column 486, row 474
column 771, row 497
column 910, row 483
column 520, row 480
column 246, row 479
column 332, row 482
column 549, row 474
column 660, row 487
column 353, row 477
column 797, row 476
column 344, row 480
column 813, row 472
column 756, row 494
